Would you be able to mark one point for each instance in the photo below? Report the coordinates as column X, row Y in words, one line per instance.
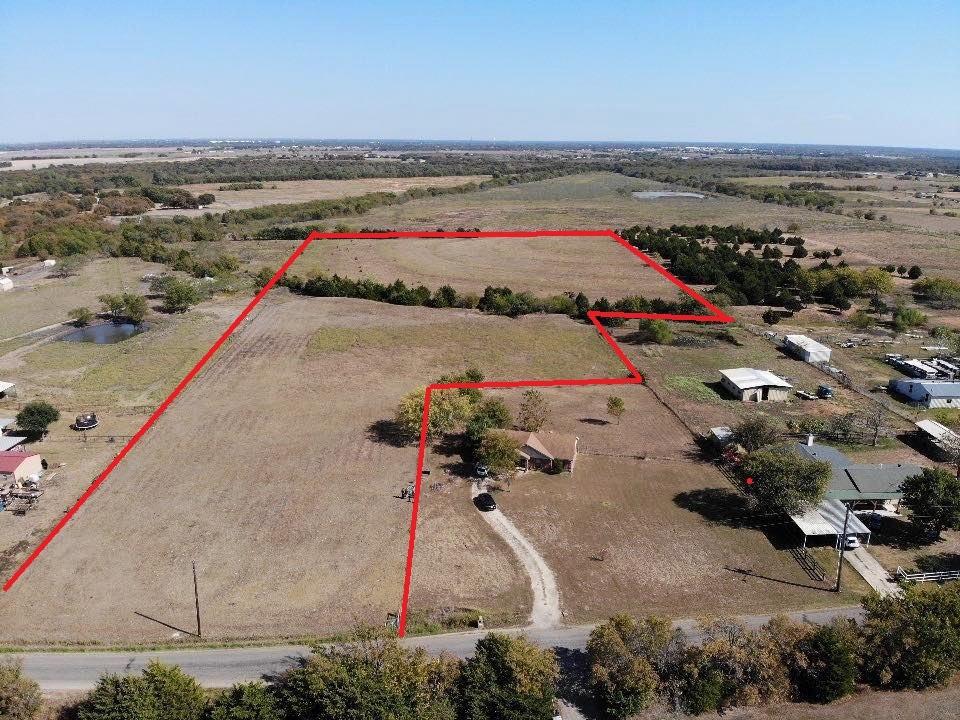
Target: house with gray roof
column 854, row 482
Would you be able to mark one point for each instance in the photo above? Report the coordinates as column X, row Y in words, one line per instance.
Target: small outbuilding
column 751, row 385
column 806, row 349
column 5, row 284
column 941, row 441
column 19, row 465
column 7, row 390
column 11, row 442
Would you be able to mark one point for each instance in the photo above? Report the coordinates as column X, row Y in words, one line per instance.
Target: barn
column 751, row 385
column 806, row 349
column 19, row 465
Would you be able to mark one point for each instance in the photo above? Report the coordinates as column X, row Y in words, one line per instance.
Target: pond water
column 654, row 194
column 105, row 333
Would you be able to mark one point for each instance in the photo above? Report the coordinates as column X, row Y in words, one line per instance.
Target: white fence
column 942, row 576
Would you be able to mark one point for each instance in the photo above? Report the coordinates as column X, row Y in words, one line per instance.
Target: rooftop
column 802, row 341
column 10, row 461
column 4, row 386
column 556, row 446
column 859, row 481
column 938, row 432
column 10, row 441
column 827, row 519
column 746, row 378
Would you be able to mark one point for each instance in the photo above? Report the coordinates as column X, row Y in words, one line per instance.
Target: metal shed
column 827, row 519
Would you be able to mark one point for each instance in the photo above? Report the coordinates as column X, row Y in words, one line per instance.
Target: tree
column 178, row 696
column 616, row 407
column 625, row 656
column 914, row 272
column 371, row 677
column 905, row 318
column 783, row 480
column 179, row 296
column 873, row 423
column 448, row 409
column 81, row 316
column 134, row 307
column 491, row 413
column 206, row 198
column 861, row 320
column 36, row 417
column 933, row 497
column 245, row 701
column 113, row 305
column 912, row 641
column 828, row 667
column 20, row 697
column 498, row 452
column 533, row 411
column 120, row 697
column 654, row 331
column 508, row 678
column 756, row 431
column 770, row 316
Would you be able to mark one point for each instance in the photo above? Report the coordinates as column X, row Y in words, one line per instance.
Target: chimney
column 809, row 439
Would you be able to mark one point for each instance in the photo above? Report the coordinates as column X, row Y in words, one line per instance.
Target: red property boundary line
column 633, row 377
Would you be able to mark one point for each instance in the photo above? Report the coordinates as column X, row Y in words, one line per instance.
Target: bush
column 246, row 701
column 178, row 696
column 625, row 657
column 508, row 678
column 179, row 296
column 912, row 641
column 81, row 316
column 36, row 417
column 120, row 697
column 20, row 697
column 827, row 670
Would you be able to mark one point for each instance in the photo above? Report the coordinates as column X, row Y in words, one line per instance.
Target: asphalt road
column 59, row 671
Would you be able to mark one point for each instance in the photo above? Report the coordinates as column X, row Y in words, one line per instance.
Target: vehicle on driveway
column 481, row 470
column 852, row 542
column 485, row 502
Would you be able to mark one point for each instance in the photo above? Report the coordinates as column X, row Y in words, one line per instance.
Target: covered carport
column 827, row 519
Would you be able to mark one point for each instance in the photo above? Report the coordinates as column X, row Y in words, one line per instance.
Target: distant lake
column 104, row 333
column 655, row 194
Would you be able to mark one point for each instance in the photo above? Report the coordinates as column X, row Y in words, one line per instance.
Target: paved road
column 545, row 612
column 58, row 671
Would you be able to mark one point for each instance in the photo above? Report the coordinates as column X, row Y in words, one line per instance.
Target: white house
column 751, row 385
column 929, row 393
column 806, row 349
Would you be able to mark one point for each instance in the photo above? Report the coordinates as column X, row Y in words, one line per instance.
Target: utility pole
column 196, row 598
column 843, row 547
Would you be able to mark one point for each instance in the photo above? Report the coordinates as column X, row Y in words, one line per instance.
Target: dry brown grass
column 265, row 473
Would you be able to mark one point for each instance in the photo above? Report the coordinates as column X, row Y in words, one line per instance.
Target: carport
column 827, row 519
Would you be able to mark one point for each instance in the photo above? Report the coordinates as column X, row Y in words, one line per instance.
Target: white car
column 852, row 542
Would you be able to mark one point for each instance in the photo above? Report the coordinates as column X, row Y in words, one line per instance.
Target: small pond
column 655, row 194
column 105, row 333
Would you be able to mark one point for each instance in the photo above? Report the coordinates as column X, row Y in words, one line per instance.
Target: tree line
column 725, row 257
column 631, row 663
column 494, row 300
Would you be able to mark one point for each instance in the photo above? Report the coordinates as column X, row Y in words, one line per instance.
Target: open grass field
column 543, row 266
column 603, row 200
column 297, row 191
column 47, row 301
column 266, row 472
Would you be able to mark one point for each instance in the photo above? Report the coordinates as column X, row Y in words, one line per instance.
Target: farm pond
column 105, row 333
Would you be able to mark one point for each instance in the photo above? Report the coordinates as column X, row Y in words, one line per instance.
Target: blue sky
column 871, row 73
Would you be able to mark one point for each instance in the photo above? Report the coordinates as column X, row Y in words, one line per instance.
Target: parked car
column 852, row 542
column 825, row 392
column 481, row 470
column 485, row 502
